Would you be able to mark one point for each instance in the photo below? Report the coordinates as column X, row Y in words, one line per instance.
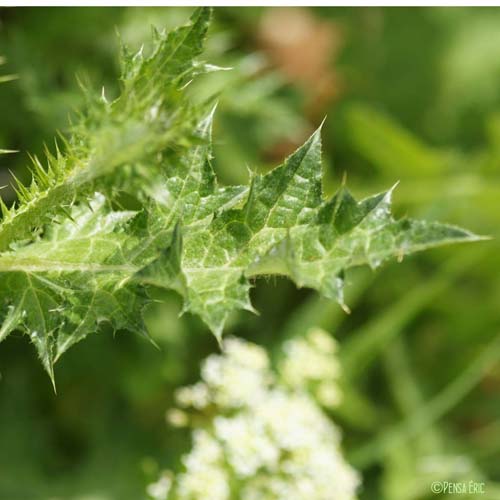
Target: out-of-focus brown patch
column 490, row 383
column 304, row 49
column 472, row 424
column 285, row 148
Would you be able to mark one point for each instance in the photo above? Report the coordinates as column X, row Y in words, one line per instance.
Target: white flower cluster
column 263, row 436
column 311, row 364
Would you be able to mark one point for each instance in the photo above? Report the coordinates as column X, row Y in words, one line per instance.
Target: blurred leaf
column 390, row 147
column 432, row 410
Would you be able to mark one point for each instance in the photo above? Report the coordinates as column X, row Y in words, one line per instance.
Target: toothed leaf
column 70, row 261
column 152, row 114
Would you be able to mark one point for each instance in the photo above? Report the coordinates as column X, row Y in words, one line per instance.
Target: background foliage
column 411, row 95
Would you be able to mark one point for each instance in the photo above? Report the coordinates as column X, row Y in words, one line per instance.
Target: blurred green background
column 410, row 95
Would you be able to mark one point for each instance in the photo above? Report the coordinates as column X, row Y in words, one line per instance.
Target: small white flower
column 205, row 476
column 177, row 418
column 322, row 340
column 310, row 364
column 196, row 396
column 247, row 444
column 328, row 394
column 239, row 376
column 160, row 489
column 265, row 438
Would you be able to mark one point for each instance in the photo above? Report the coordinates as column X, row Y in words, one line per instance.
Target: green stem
column 430, row 412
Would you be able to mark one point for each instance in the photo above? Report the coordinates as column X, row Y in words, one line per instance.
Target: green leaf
column 388, row 146
column 285, row 227
column 58, row 289
column 152, row 114
column 70, row 261
column 203, row 241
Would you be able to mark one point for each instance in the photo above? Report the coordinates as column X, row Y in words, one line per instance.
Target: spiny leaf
column 75, row 278
column 203, row 241
column 152, row 114
column 91, row 263
column 285, row 227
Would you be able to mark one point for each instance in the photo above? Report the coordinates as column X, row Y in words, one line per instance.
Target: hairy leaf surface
column 92, row 263
column 151, row 115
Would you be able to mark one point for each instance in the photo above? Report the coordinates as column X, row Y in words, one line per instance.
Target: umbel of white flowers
column 264, row 434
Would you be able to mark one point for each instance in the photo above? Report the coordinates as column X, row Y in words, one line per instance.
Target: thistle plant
column 71, row 258
column 258, row 432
